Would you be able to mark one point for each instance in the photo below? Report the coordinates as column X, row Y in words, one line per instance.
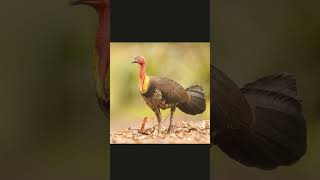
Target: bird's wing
column 171, row 91
column 230, row 107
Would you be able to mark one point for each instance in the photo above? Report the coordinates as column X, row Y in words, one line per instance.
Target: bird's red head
column 139, row 60
column 97, row 4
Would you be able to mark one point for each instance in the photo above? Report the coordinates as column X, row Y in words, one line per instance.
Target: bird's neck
column 102, row 49
column 102, row 37
column 144, row 79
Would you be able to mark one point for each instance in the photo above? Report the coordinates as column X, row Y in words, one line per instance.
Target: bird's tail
column 197, row 102
column 278, row 135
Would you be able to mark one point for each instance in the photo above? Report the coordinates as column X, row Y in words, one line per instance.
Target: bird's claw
column 170, row 130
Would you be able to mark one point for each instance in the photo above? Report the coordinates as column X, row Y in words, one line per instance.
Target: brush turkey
column 162, row 93
column 260, row 124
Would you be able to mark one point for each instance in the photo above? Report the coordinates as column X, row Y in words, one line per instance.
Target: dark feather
column 280, row 124
column 276, row 133
column 230, row 108
column 172, row 92
column 196, row 103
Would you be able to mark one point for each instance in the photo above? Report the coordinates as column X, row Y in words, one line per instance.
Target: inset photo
column 160, row 93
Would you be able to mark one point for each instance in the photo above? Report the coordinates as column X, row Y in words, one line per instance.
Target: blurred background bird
column 102, row 51
column 261, row 124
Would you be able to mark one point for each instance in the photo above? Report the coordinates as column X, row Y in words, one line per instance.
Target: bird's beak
column 135, row 60
column 76, row 2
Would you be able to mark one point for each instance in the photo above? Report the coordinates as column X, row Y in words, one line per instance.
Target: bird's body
column 261, row 124
column 163, row 93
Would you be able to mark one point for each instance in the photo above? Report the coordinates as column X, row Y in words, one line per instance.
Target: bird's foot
column 170, row 129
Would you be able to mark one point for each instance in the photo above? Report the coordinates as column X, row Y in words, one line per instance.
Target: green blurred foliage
column 186, row 63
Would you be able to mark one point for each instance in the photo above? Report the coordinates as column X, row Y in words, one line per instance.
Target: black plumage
column 261, row 124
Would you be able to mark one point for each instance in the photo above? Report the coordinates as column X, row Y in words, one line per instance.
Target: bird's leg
column 171, row 130
column 158, row 113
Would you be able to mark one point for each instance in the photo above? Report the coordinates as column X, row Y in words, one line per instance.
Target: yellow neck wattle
column 144, row 85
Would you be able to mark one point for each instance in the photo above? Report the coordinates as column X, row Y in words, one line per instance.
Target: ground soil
column 185, row 132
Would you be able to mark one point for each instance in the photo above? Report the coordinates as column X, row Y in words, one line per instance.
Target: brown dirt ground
column 184, row 133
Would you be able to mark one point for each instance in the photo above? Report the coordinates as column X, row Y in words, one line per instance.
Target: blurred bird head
column 139, row 60
column 97, row 4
